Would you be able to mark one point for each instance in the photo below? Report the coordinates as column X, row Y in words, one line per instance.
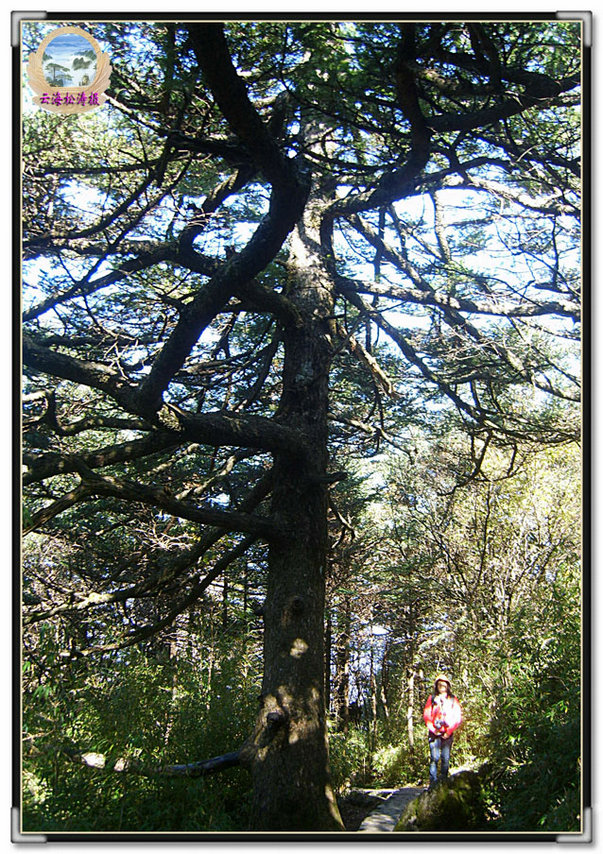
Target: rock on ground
column 455, row 804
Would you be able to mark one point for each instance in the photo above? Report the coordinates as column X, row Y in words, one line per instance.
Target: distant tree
column 262, row 210
column 81, row 62
column 54, row 67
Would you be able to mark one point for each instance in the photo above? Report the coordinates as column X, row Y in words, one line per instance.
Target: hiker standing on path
column 442, row 715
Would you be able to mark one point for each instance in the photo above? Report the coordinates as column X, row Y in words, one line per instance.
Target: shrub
column 349, row 759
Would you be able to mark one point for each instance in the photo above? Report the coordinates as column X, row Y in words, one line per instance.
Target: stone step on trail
column 385, row 817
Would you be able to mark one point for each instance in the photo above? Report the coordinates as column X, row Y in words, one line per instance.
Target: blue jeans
column 439, row 749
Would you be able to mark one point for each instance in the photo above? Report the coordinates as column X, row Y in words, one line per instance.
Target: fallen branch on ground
column 135, row 766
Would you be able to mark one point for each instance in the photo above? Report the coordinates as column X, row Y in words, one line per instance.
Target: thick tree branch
column 95, row 485
column 94, row 374
column 398, row 182
column 211, row 428
column 451, row 309
column 230, row 520
column 69, row 499
column 286, row 204
column 490, row 307
column 192, row 596
column 490, row 115
column 368, row 360
column 427, row 295
column 408, row 350
column 88, row 285
column 161, row 576
column 231, row 96
column 48, row 465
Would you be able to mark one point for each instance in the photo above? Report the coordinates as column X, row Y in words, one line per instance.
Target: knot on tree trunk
column 273, row 720
column 277, row 719
column 297, row 606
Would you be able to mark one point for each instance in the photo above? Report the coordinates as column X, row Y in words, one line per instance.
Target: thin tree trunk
column 384, row 687
column 410, row 709
column 225, row 603
column 373, row 695
column 245, row 590
column 328, row 653
column 383, row 699
column 342, row 666
column 173, row 655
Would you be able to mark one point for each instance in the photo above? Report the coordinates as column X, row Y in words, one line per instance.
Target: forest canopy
column 301, row 422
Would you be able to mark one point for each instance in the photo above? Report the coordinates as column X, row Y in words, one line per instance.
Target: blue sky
column 64, row 47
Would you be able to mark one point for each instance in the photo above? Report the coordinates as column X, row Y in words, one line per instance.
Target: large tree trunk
column 290, row 764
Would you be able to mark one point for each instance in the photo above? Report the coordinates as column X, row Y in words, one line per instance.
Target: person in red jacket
column 442, row 715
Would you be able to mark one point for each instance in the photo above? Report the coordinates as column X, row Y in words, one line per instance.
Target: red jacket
column 449, row 711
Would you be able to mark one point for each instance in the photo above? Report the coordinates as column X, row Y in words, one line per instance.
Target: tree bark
column 290, row 766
